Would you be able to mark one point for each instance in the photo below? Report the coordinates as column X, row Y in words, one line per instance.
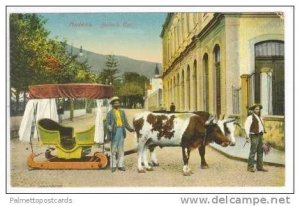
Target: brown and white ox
column 188, row 130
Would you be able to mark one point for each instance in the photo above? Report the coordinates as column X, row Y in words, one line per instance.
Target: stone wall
column 274, row 126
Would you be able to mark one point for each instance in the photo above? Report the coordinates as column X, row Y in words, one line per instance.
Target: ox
column 188, row 130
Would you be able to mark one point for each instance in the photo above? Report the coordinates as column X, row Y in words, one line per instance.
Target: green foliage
column 109, row 74
column 132, row 89
column 135, row 77
column 37, row 59
column 28, row 42
column 111, row 62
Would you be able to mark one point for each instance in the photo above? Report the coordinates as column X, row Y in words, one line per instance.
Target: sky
column 135, row 35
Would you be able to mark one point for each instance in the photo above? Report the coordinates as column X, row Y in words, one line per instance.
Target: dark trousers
column 256, row 148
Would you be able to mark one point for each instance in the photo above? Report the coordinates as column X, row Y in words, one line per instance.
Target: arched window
column 179, row 96
column 195, row 84
column 217, row 79
column 169, row 91
column 205, row 82
column 182, row 91
column 178, row 34
column 173, row 89
column 188, row 88
column 269, row 76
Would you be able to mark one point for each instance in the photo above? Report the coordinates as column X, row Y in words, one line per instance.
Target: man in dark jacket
column 254, row 128
column 116, row 122
column 172, row 107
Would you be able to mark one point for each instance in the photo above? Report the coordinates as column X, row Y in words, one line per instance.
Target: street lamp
column 80, row 51
column 76, row 55
column 71, row 56
column 71, row 52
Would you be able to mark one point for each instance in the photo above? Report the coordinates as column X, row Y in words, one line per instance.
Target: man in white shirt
column 254, row 130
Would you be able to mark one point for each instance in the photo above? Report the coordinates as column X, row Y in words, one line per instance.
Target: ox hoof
column 154, row 164
column 141, row 171
column 149, row 169
column 186, row 173
column 204, row 166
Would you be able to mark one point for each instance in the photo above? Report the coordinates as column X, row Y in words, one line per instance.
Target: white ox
column 188, row 130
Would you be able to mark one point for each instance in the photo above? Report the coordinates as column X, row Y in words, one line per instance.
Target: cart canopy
column 42, row 99
column 89, row 91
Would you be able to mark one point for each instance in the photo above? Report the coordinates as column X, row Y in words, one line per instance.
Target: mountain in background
column 126, row 64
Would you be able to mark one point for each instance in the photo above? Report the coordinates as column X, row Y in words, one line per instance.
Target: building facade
column 224, row 62
column 154, row 96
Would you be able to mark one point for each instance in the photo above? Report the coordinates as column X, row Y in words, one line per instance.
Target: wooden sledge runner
column 97, row 161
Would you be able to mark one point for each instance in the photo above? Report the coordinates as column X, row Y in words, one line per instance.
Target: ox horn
column 229, row 120
column 210, row 119
column 216, row 119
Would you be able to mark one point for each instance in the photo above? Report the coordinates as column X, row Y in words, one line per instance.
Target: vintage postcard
column 150, row 99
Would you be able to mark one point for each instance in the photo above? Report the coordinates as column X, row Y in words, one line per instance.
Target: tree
column 135, row 77
column 131, row 94
column 37, row 59
column 110, row 73
column 84, row 73
column 67, row 68
column 28, row 41
column 132, row 89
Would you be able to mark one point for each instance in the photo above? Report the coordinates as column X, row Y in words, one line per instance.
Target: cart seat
column 67, row 144
column 53, row 133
